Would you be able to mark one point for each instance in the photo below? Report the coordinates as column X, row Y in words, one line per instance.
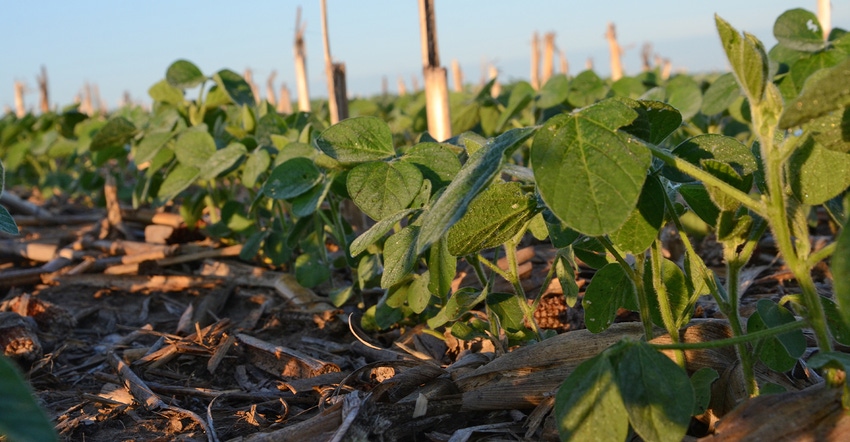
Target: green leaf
column 832, row 131
column 553, row 93
column 222, row 160
column 800, row 30
column 436, row 161
column 780, row 353
column 235, row 86
column 177, row 180
column 194, row 147
column 628, row 87
column 817, row 174
column 839, row 329
column 183, row 74
column 268, row 125
column 841, row 266
column 697, row 198
column 608, row 291
column 151, row 145
column 442, row 267
column 589, row 174
column 258, row 162
column 310, row 271
column 7, row 223
column 458, row 304
column 824, row 92
column 357, row 140
column 418, row 295
column 508, row 309
column 162, row 92
column 643, row 224
column 292, row 178
column 310, row 201
column 657, row 393
column 747, row 57
column 117, row 132
column 493, row 217
column 586, row 88
column 589, row 404
column 399, row 255
column 655, row 122
column 381, row 189
column 479, row 170
column 678, row 294
column 566, row 274
column 701, row 382
column 684, row 94
column 721, row 94
column 376, row 232
column 713, row 147
column 21, row 419
column 521, row 95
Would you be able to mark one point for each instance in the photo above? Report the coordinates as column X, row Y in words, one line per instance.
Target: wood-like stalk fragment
column 436, row 78
column 20, row 108
column 335, row 72
column 825, row 17
column 457, row 77
column 44, row 96
column 548, row 56
column 301, row 65
column 535, row 61
column 616, row 52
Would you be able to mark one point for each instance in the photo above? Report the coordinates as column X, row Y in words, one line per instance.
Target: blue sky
column 125, row 46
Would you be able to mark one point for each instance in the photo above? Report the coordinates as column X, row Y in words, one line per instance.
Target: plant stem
column 636, row 276
column 668, row 158
column 519, row 292
column 733, row 268
column 664, row 307
column 736, row 340
column 821, row 254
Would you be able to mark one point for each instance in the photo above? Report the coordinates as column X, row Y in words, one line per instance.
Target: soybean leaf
column 418, row 295
column 585, row 89
column 837, row 327
column 183, row 74
column 800, row 30
column 442, row 267
column 292, row 178
column 459, row 303
column 701, row 382
column 609, row 290
column 7, row 223
column 371, row 236
column 235, row 86
column 830, row 359
column 589, row 174
column 381, row 189
column 553, row 93
column 399, row 255
column 730, row 176
column 20, row 416
column 589, row 404
column 162, row 92
column 817, row 174
column 721, row 94
column 747, row 57
column 178, row 179
column 508, row 309
column 713, row 147
column 643, row 224
column 559, row 234
column 521, row 95
column 150, row 145
column 697, row 198
column 628, row 87
column 310, row 201
column 656, row 392
column 493, row 217
column 566, row 274
column 194, row 147
column 268, row 125
column 841, row 266
column 479, row 170
column 436, row 161
column 684, row 94
column 310, row 271
column 656, row 120
column 678, row 294
column 780, row 353
column 116, row 133
column 832, row 131
column 824, row 92
column 222, row 160
column 357, row 140
column 258, row 162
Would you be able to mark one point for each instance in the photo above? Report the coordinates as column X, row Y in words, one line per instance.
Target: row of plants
column 593, row 167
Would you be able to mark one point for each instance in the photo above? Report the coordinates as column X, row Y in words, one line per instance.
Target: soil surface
column 168, row 335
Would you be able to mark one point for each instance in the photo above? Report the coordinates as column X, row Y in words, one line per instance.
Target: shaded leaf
column 117, row 132
column 292, row 178
column 643, row 224
column 222, row 160
column 399, row 255
column 381, row 189
column 720, row 95
column 235, row 86
column 183, row 74
column 608, row 291
column 436, row 161
column 376, row 232
column 817, row 174
column 21, row 418
column 824, row 92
